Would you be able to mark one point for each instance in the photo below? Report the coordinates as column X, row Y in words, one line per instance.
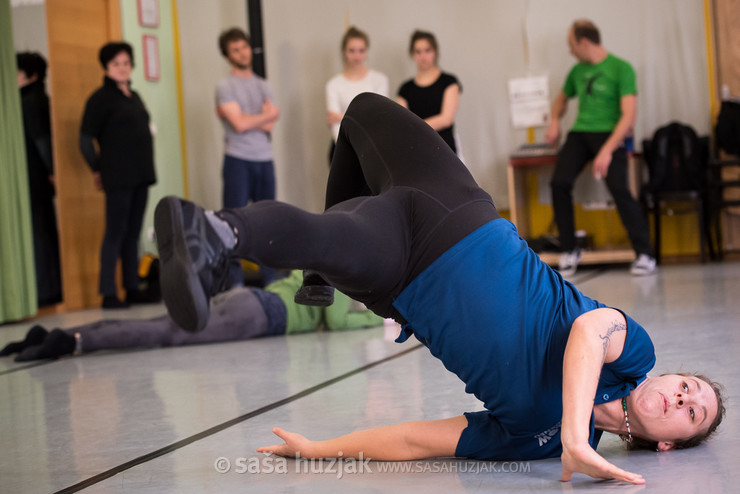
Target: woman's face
column 355, row 52
column 24, row 80
column 672, row 408
column 424, row 55
column 119, row 68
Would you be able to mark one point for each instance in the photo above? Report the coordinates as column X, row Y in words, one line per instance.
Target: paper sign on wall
column 530, row 102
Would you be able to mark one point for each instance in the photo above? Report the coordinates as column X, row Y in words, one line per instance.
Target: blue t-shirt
column 499, row 318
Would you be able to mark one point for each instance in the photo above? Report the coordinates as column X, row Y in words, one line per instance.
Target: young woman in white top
column 354, row 79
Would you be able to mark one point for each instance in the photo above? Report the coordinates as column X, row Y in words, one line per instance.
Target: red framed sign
column 148, row 13
column 151, row 57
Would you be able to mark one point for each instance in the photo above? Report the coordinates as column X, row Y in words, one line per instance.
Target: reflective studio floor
column 164, row 420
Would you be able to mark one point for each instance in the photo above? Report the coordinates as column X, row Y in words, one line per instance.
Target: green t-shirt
column 337, row 317
column 599, row 89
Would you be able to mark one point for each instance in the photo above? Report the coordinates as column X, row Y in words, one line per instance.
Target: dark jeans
column 578, row 150
column 124, row 215
column 371, row 247
column 244, row 182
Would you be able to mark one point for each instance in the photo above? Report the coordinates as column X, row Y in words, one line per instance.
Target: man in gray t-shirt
column 244, row 105
column 247, row 96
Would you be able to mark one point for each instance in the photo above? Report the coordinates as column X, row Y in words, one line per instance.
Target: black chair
column 677, row 159
column 721, row 180
column 724, row 174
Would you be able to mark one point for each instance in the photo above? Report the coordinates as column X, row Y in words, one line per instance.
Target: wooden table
column 520, row 166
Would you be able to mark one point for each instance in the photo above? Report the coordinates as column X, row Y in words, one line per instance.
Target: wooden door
column 727, row 36
column 76, row 31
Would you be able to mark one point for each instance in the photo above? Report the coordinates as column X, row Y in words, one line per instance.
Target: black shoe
column 315, row 291
column 55, row 345
column 134, row 297
column 35, row 336
column 113, row 302
column 194, row 261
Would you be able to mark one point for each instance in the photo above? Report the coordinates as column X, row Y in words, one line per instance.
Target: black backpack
column 676, row 158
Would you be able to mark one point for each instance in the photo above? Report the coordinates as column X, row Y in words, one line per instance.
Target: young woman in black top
column 432, row 94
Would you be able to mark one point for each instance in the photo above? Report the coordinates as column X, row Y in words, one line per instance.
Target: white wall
column 29, row 28
column 481, row 41
column 202, row 67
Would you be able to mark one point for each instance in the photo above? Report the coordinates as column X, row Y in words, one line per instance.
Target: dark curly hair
column 230, row 36
column 109, row 51
column 31, row 63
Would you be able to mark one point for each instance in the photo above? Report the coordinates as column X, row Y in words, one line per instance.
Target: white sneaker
column 569, row 261
column 644, row 265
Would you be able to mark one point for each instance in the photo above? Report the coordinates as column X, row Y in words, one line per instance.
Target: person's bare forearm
column 596, row 337
column 250, row 122
column 242, row 122
column 558, row 107
column 581, row 368
column 407, row 441
column 628, row 106
column 589, row 346
column 383, row 443
column 552, row 133
column 617, row 136
column 450, row 103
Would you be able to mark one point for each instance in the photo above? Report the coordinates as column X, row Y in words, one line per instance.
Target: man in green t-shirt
column 606, row 89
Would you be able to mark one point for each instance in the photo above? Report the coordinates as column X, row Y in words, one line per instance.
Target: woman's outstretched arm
column 407, row 441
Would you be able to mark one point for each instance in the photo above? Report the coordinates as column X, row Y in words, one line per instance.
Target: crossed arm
column 597, row 337
column 242, row 122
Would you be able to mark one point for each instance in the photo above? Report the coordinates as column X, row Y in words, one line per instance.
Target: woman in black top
column 432, row 95
column 116, row 118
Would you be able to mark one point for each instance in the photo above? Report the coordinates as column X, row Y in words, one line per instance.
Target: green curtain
column 17, row 270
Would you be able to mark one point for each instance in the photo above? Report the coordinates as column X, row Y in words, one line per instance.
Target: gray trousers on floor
column 239, row 314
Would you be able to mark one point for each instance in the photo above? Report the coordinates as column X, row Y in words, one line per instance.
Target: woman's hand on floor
column 295, row 445
column 584, row 459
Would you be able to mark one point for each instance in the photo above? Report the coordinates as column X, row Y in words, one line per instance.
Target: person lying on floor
column 241, row 313
column 553, row 368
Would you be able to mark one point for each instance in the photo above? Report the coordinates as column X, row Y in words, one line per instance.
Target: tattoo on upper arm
column 616, row 326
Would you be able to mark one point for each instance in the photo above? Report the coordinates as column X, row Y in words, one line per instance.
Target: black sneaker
column 193, row 261
column 315, row 290
column 113, row 302
column 136, row 297
column 35, row 336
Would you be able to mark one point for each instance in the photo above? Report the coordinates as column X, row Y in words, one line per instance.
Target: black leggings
column 579, row 148
column 371, row 247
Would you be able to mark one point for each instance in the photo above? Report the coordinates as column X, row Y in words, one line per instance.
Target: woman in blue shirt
column 552, row 367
